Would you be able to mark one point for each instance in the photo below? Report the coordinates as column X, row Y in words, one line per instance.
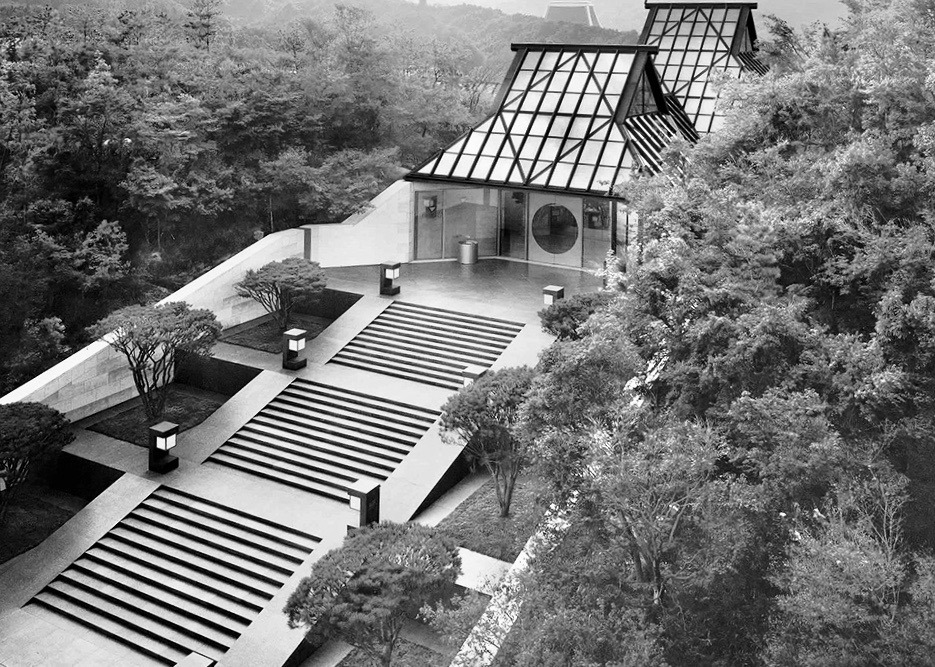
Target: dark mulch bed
column 476, row 523
column 265, row 336
column 35, row 513
column 186, row 406
column 407, row 654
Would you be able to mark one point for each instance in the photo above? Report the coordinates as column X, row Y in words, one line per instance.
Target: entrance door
column 429, row 228
column 555, row 229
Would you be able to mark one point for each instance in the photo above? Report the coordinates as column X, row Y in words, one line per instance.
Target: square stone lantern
column 552, row 293
column 389, row 271
column 293, row 349
column 162, row 439
column 471, row 373
column 364, row 498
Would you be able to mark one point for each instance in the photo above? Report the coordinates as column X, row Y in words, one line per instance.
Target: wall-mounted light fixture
column 293, row 349
column 552, row 293
column 389, row 271
column 162, row 438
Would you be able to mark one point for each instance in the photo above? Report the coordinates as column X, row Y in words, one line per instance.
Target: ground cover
column 37, row 512
column 265, row 335
column 476, row 523
column 186, row 406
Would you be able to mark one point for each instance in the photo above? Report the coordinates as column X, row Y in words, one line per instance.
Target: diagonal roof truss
column 696, row 40
column 562, row 122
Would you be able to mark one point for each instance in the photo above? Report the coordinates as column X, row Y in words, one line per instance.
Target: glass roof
column 559, row 125
column 695, row 40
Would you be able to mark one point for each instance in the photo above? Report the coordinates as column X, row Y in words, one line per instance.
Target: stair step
column 231, row 460
column 120, row 551
column 164, row 611
column 224, row 603
column 290, row 451
column 316, row 421
column 459, row 330
column 225, row 543
column 405, row 344
column 166, row 551
column 255, row 525
column 300, row 467
column 141, row 620
column 333, row 413
column 286, row 549
column 389, row 451
column 148, row 648
column 384, row 405
column 461, row 344
column 353, row 361
column 392, row 355
column 418, row 307
column 400, row 370
column 464, row 323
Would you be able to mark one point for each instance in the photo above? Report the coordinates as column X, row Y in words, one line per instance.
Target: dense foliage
column 760, row 491
column 30, row 433
column 364, row 592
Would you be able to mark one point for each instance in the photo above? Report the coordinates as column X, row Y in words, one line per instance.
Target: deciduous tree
column 278, row 286
column 365, row 591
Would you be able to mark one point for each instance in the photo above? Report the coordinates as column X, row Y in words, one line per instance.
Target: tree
column 29, row 434
column 365, row 591
column 150, row 337
column 483, row 417
column 278, row 286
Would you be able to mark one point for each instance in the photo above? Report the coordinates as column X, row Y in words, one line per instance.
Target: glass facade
column 694, row 41
column 540, row 227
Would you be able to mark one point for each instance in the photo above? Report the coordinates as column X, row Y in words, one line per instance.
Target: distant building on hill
column 573, row 11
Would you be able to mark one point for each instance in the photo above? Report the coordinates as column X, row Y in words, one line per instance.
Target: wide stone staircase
column 178, row 575
column 427, row 345
column 321, row 439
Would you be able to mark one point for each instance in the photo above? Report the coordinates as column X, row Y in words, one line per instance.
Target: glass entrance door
column 429, row 227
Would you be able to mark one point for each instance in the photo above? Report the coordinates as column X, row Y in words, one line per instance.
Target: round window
column 555, row 229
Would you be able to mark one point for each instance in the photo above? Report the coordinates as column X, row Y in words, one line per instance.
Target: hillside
column 629, row 14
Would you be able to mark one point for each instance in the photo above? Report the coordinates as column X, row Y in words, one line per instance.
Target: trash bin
column 467, row 252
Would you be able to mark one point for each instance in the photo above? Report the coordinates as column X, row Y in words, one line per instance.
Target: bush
column 565, row 316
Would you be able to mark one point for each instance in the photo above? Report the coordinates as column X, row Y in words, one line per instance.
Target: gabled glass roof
column 560, row 123
column 696, row 39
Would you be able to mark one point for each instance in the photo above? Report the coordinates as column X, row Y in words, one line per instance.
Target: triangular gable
column 559, row 122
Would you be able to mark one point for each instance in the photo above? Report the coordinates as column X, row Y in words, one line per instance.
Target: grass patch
column 476, row 523
column 266, row 336
column 35, row 513
column 186, row 406
column 407, row 654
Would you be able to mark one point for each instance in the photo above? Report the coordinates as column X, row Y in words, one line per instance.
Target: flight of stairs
column 178, row 575
column 322, row 439
column 427, row 345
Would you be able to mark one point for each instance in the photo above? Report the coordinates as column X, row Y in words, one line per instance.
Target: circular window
column 555, row 229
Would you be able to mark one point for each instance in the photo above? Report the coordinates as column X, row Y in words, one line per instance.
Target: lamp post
column 552, row 293
column 389, row 271
column 293, row 349
column 364, row 498
column 162, row 438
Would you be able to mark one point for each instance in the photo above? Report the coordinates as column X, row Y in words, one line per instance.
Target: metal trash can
column 467, row 251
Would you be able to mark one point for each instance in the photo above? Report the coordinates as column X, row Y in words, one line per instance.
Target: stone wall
column 96, row 377
column 379, row 234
